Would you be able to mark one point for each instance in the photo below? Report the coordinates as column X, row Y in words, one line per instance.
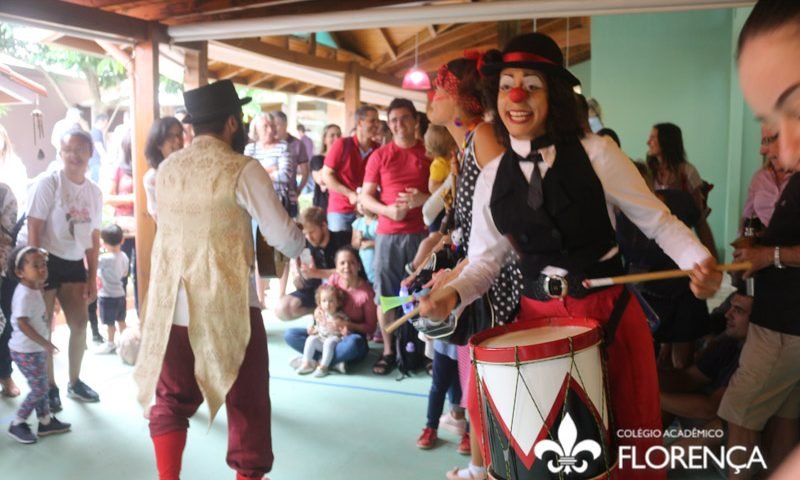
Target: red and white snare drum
column 544, row 400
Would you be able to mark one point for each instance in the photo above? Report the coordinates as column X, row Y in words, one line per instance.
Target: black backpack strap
column 610, row 328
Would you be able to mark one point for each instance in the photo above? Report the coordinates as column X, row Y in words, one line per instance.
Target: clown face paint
column 522, row 102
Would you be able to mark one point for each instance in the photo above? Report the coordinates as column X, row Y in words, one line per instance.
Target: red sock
column 169, row 453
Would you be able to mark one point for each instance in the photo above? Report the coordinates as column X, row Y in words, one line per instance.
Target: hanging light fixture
column 416, row 78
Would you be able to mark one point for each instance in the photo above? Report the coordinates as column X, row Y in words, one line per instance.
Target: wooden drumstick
column 663, row 275
column 434, row 295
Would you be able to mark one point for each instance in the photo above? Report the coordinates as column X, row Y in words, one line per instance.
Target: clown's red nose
column 517, row 95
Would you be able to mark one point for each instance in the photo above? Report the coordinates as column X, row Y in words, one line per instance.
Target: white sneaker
column 320, row 372
column 448, row 422
column 107, row 349
column 296, row 362
column 340, row 367
column 305, row 369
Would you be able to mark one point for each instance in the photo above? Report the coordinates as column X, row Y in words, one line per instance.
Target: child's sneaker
column 464, row 446
column 21, row 433
column 296, row 362
column 81, row 391
column 55, row 399
column 305, row 369
column 427, row 439
column 453, row 424
column 340, row 367
column 54, row 426
column 320, row 372
column 107, row 349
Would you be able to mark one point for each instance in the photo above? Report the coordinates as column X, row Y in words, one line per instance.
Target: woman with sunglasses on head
column 552, row 195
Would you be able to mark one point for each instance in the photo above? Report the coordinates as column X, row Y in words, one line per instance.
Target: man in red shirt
column 400, row 170
column 343, row 172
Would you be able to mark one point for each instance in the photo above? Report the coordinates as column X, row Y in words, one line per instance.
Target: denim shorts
column 112, row 309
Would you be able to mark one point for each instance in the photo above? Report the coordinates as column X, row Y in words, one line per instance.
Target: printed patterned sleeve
column 8, row 219
column 488, row 248
column 255, row 193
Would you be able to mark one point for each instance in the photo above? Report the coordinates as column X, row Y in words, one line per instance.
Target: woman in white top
column 165, row 137
column 64, row 216
column 12, row 170
column 552, row 196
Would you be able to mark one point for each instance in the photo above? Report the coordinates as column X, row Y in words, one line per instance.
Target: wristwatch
column 776, row 258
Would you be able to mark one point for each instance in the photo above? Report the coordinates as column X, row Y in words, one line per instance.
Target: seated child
column 440, row 146
column 30, row 343
column 330, row 325
column 112, row 268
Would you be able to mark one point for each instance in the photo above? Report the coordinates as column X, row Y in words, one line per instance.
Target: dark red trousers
column 247, row 403
column 632, row 376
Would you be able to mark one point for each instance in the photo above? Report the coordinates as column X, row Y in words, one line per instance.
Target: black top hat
column 535, row 51
column 212, row 101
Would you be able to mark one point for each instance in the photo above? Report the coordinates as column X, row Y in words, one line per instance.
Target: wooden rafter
column 388, row 42
column 281, row 84
column 305, row 88
column 230, row 73
column 187, row 11
column 55, row 13
column 259, row 78
column 307, row 60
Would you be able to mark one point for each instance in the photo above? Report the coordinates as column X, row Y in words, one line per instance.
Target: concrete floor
column 356, row 426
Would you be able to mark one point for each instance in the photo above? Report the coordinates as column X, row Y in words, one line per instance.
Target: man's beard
column 239, row 139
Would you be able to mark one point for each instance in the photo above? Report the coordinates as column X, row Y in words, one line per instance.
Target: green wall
column 583, row 71
column 680, row 68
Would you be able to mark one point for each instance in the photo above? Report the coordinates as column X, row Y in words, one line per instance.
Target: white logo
column 567, row 450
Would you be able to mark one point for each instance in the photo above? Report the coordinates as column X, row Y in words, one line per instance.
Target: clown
column 551, row 198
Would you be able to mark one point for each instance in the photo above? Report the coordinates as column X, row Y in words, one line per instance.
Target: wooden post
column 506, row 31
column 352, row 95
column 145, row 111
column 195, row 73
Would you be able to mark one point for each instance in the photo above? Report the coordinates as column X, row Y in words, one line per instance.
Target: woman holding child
column 359, row 307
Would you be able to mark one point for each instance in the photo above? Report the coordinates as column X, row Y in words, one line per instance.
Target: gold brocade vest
column 204, row 241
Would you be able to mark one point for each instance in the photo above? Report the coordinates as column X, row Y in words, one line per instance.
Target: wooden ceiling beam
column 259, row 78
column 265, row 85
column 388, row 43
column 308, row 7
column 281, row 84
column 81, row 20
column 307, row 60
column 304, row 88
column 230, row 73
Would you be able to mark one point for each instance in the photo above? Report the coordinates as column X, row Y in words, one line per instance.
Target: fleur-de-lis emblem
column 566, row 449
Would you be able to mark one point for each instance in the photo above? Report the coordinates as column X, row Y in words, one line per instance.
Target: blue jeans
column 353, row 348
column 341, row 222
column 445, row 380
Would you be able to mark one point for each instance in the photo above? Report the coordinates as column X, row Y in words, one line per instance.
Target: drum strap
column 611, row 325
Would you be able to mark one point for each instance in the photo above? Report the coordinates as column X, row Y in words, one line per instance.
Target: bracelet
column 776, row 258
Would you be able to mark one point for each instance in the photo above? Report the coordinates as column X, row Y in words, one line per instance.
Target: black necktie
column 535, row 194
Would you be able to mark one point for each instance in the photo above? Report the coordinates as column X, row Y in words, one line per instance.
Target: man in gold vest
column 203, row 336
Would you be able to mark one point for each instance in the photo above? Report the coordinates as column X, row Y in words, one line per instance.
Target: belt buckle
column 561, row 286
